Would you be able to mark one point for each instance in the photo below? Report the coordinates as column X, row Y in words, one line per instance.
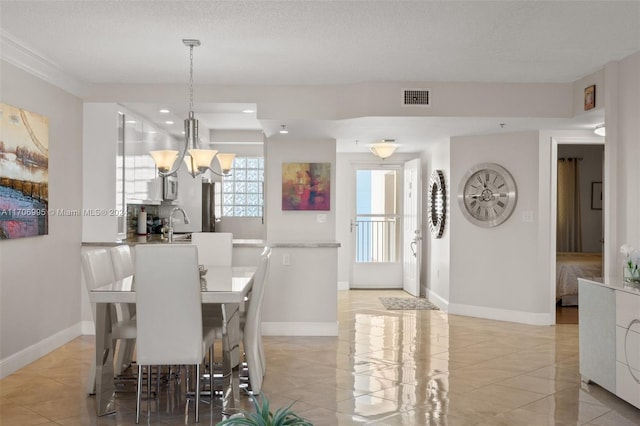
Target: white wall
column 40, row 276
column 623, row 131
column 436, row 257
column 99, row 150
column 494, row 271
column 301, row 298
column 298, row 225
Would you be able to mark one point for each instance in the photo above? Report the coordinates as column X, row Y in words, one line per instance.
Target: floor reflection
column 384, row 368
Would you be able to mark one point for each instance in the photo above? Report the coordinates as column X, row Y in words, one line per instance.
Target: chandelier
column 199, row 160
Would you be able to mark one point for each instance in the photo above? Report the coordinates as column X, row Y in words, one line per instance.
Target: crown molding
column 17, row 53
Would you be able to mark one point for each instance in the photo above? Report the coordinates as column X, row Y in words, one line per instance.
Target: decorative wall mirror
column 437, row 203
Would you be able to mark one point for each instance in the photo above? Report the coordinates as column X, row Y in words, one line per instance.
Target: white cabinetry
column 610, row 338
column 117, row 168
column 628, row 347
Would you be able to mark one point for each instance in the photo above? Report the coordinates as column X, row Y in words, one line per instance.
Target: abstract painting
column 306, row 186
column 24, row 173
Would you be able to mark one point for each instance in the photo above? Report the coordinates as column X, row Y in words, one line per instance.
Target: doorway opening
column 376, row 229
column 579, row 223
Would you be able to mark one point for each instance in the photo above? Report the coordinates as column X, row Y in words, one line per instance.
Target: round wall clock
column 487, row 195
column 437, row 204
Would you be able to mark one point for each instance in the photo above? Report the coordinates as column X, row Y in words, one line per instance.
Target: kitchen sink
column 182, row 237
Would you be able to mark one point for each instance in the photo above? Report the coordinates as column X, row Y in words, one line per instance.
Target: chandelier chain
column 191, row 79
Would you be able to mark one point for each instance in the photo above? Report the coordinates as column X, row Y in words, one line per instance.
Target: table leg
column 230, row 358
column 104, row 386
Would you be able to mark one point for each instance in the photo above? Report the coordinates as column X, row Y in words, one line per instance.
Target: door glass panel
column 377, row 217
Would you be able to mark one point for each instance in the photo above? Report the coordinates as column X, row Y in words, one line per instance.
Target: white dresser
column 609, row 323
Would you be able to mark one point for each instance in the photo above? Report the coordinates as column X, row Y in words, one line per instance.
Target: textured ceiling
column 327, row 42
column 331, row 42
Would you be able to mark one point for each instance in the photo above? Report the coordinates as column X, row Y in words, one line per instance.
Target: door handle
column 353, row 225
column 414, row 245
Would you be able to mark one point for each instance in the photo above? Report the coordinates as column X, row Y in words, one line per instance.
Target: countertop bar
column 244, row 243
column 614, row 283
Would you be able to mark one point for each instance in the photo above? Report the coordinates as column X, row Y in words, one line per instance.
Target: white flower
column 632, row 257
column 626, row 249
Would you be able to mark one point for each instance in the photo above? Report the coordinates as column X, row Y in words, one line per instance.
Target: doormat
column 407, row 303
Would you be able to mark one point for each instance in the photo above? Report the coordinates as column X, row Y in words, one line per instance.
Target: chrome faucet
column 186, row 220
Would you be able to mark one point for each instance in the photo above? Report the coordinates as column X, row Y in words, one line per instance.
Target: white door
column 376, row 230
column 412, row 236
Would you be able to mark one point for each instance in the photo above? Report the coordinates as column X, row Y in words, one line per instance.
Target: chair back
column 122, row 261
column 253, row 323
column 168, row 305
column 214, row 248
column 97, row 268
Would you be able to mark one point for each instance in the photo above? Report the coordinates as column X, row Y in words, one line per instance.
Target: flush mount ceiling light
column 199, row 160
column 600, row 130
column 384, row 149
column 283, row 129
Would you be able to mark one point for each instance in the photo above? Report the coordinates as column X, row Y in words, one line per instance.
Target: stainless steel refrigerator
column 208, row 206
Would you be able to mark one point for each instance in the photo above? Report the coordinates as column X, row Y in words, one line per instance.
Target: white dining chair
column 98, row 271
column 123, row 266
column 169, row 312
column 122, row 261
column 214, row 248
column 252, row 330
column 251, row 326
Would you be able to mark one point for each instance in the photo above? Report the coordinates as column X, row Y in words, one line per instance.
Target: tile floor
column 384, row 368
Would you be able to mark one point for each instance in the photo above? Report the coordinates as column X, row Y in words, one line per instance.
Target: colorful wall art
column 24, row 173
column 306, row 186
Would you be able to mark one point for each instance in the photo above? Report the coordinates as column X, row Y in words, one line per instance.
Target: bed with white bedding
column 570, row 267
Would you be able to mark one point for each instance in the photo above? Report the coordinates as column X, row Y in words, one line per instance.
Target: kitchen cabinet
column 117, row 168
column 609, row 326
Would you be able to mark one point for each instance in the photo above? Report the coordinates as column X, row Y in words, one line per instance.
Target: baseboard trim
column 300, row 328
column 15, row 362
column 88, row 328
column 343, row 285
column 530, row 318
column 438, row 301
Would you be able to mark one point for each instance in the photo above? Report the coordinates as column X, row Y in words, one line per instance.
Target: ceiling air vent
column 415, row 97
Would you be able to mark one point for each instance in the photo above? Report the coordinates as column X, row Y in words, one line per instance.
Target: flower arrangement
column 631, row 269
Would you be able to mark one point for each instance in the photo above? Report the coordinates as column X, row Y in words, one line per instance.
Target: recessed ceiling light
column 168, row 122
column 165, row 111
column 182, row 132
column 248, row 111
column 131, row 122
column 283, row 129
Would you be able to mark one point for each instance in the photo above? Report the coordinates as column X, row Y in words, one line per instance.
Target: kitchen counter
column 237, row 242
column 177, row 239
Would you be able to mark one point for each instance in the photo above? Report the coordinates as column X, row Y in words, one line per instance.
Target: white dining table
column 220, row 285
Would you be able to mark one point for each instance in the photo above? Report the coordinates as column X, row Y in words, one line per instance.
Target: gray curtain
column 569, row 223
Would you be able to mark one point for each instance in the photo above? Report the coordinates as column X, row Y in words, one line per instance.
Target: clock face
column 487, row 195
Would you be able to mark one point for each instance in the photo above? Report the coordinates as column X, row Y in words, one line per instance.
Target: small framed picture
column 596, row 195
column 590, row 97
